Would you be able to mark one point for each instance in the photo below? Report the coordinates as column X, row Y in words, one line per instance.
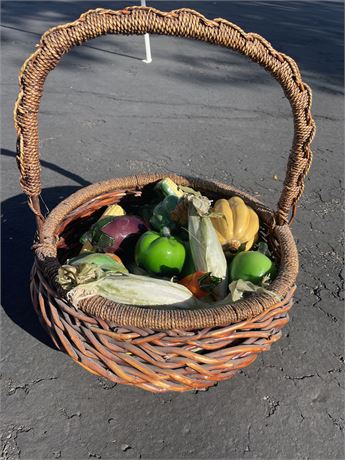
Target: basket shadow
column 18, row 229
column 85, row 45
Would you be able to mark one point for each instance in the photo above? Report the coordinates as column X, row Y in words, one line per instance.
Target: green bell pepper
column 160, row 255
column 252, row 266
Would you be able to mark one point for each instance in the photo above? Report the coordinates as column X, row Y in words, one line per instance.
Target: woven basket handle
column 184, row 23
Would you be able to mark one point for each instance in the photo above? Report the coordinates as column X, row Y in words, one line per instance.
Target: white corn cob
column 135, row 290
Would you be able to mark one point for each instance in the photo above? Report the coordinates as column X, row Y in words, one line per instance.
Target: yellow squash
column 236, row 225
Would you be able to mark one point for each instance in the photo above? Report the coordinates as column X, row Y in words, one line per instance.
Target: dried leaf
column 240, row 287
column 189, row 190
column 200, row 204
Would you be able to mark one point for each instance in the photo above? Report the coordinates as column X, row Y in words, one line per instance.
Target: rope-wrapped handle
column 183, row 23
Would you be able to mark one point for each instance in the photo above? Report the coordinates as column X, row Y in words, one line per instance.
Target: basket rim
column 163, row 319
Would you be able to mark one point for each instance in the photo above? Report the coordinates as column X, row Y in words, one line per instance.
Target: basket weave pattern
column 158, row 349
column 158, row 361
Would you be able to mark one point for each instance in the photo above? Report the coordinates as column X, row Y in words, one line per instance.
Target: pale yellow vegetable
column 236, row 224
column 113, row 211
column 135, row 290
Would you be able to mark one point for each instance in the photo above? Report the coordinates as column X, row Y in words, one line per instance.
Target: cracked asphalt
column 208, row 112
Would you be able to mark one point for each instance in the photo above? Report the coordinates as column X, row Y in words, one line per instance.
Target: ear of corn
column 207, row 252
column 135, row 290
column 168, row 187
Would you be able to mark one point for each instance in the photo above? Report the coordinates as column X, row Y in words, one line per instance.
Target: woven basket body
column 157, row 349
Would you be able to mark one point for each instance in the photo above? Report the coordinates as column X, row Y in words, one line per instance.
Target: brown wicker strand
column 167, row 361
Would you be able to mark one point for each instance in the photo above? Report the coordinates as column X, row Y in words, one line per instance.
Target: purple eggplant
column 117, row 233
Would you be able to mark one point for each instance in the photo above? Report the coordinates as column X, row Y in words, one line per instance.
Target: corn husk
column 86, row 268
column 135, row 290
column 70, row 276
column 239, row 288
column 207, row 252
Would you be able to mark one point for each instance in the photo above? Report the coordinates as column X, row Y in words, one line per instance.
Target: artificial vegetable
column 114, row 233
column 200, row 284
column 161, row 216
column 168, row 188
column 207, row 252
column 87, row 268
column 236, row 224
column 252, row 266
column 104, row 261
column 159, row 254
column 113, row 210
column 134, row 290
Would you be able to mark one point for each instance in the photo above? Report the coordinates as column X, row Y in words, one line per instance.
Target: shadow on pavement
column 310, row 32
column 18, row 228
column 52, row 167
column 87, row 46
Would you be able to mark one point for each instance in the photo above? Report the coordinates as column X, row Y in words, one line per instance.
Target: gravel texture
column 208, row 112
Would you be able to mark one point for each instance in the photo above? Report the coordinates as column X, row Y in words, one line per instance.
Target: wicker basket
column 157, row 349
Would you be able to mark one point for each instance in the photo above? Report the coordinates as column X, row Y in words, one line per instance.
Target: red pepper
column 200, row 283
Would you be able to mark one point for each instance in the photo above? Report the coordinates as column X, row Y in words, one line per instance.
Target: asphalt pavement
column 208, row 112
